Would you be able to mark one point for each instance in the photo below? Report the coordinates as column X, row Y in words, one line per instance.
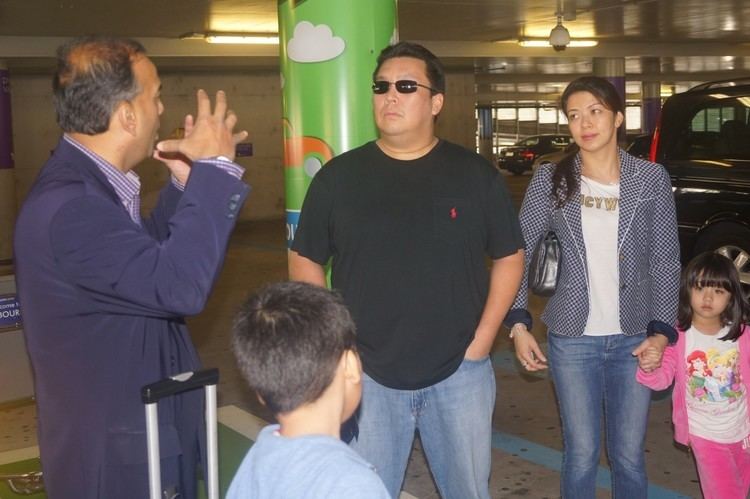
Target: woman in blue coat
column 616, row 297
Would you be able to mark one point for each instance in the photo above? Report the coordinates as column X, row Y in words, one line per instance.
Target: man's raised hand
column 212, row 132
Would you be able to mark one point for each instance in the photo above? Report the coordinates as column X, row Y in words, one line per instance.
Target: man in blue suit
column 104, row 292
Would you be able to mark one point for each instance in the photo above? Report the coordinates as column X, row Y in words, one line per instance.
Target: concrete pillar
column 457, row 121
column 613, row 70
column 7, row 174
column 328, row 50
column 485, row 131
column 650, row 94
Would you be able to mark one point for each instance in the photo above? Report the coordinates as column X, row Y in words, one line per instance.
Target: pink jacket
column 673, row 369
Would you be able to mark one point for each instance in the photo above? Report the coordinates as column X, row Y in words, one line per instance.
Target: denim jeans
column 454, row 419
column 591, row 373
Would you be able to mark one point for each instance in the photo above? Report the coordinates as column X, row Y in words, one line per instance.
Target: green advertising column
column 328, row 52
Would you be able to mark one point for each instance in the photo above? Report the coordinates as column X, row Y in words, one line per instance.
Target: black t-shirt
column 408, row 241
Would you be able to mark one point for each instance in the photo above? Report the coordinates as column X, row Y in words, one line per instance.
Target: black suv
column 640, row 145
column 703, row 140
column 519, row 157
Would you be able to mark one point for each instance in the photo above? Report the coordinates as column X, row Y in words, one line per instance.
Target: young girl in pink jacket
column 710, row 367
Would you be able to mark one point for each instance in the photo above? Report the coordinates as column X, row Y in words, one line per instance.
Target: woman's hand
column 528, row 352
column 650, row 352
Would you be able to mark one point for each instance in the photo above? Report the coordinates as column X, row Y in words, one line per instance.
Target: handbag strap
column 550, row 214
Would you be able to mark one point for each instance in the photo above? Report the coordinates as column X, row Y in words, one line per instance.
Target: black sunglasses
column 402, row 86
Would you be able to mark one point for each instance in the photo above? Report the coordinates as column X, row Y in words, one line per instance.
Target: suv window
column 718, row 130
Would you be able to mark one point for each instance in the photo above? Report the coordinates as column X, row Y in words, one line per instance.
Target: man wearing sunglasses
column 408, row 221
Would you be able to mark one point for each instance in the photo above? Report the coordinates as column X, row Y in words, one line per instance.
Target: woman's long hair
column 564, row 180
column 711, row 269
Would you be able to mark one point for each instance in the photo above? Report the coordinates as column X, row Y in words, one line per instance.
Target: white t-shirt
column 715, row 398
column 600, row 213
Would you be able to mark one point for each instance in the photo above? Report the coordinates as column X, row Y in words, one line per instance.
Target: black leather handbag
column 544, row 269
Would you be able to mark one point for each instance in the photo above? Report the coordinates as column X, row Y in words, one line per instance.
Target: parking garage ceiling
column 689, row 40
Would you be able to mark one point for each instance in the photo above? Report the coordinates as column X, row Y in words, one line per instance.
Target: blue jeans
column 454, row 419
column 591, row 373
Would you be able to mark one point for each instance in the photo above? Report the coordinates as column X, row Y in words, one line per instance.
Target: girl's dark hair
column 711, row 269
column 564, row 180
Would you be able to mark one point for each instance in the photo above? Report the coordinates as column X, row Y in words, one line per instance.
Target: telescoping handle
column 151, row 394
column 178, row 383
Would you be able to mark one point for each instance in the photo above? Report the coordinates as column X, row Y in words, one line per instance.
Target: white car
column 554, row 157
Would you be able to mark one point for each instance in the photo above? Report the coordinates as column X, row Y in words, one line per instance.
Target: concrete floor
column 527, row 436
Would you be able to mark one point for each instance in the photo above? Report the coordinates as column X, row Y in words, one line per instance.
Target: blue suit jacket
column 103, row 302
column 649, row 265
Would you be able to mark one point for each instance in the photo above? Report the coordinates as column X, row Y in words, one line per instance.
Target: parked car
column 519, row 157
column 640, row 145
column 554, row 157
column 703, row 140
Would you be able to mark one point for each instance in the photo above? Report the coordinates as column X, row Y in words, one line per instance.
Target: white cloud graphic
column 314, row 43
column 311, row 166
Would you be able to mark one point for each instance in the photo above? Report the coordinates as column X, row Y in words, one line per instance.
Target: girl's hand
column 649, row 359
column 528, row 352
column 650, row 352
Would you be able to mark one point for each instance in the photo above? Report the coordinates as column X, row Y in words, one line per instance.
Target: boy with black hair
column 295, row 346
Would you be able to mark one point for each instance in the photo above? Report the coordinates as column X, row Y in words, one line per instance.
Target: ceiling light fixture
column 559, row 37
column 544, row 42
column 234, row 38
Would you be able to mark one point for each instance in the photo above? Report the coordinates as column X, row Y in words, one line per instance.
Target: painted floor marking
column 551, row 458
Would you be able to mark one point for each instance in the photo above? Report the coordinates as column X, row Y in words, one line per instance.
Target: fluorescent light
column 583, row 43
column 534, row 43
column 246, row 39
column 234, row 38
column 544, row 42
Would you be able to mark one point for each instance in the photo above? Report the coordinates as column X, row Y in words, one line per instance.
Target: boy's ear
column 352, row 367
column 260, row 399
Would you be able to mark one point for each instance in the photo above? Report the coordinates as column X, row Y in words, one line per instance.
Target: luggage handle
column 179, row 383
column 151, row 394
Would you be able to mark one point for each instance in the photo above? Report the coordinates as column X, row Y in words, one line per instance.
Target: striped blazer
column 649, row 265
